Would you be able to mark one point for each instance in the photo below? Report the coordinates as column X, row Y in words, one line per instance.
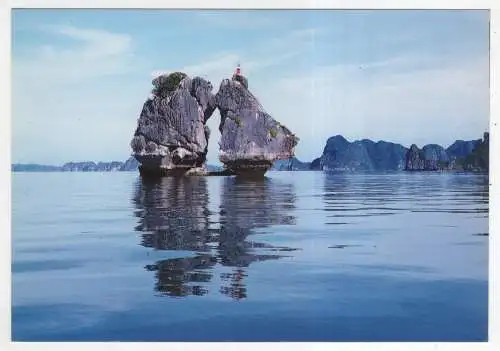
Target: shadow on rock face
column 174, row 214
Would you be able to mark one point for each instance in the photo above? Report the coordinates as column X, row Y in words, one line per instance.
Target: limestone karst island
column 171, row 137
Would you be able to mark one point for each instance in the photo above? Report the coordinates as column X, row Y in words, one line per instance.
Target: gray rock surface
column 414, row 160
column 316, row 164
column 130, row 165
column 251, row 140
column 462, row 148
column 360, row 155
column 431, row 157
column 435, row 157
column 171, row 131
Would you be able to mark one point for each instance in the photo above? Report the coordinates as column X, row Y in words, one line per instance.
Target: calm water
column 299, row 256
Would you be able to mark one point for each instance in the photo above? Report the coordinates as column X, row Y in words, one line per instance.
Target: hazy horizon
column 80, row 77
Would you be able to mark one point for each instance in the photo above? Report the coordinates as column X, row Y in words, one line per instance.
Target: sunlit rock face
column 171, row 133
column 251, row 140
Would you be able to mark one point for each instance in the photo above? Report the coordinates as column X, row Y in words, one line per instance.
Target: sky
column 80, row 77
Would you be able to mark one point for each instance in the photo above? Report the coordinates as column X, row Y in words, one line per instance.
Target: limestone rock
column 361, row 155
column 414, row 160
column 251, row 140
column 432, row 157
column 171, row 131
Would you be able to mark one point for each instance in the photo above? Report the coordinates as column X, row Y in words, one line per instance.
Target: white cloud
column 93, row 53
column 98, row 43
column 65, row 106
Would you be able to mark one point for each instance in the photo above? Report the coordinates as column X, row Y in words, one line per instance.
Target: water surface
column 297, row 256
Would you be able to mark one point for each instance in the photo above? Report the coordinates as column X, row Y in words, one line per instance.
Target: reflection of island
column 174, row 215
column 172, row 275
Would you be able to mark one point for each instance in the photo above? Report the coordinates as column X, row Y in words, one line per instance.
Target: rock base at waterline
column 247, row 169
column 181, row 172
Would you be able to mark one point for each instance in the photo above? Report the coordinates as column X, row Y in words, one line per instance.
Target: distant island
column 367, row 155
column 338, row 155
column 129, row 165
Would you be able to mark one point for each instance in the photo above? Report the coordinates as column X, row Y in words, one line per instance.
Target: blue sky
column 80, row 77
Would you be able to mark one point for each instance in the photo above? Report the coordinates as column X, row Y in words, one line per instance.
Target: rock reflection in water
column 174, row 215
column 172, row 275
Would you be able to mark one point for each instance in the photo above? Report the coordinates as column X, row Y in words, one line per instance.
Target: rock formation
column 129, row 165
column 251, row 140
column 478, row 160
column 316, row 164
column 360, row 155
column 90, row 166
column 432, row 157
column 461, row 148
column 171, row 135
column 414, row 159
column 172, row 138
column 435, row 157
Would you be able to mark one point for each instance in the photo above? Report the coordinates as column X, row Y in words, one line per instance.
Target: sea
column 296, row 256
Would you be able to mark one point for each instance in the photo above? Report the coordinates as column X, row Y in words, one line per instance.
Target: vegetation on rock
column 237, row 121
column 166, row 84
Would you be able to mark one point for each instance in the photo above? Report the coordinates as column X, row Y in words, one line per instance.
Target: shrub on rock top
column 166, row 84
